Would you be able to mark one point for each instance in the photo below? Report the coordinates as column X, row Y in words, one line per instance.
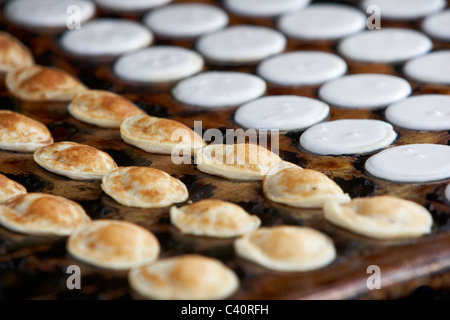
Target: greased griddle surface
column 35, row 268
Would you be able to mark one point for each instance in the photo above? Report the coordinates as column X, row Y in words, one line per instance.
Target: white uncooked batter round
column 438, row 25
column 218, row 89
column 411, row 163
column 106, row 37
column 158, row 64
column 447, row 193
column 369, row 91
column 241, row 44
column 281, row 113
column 301, row 68
column 433, row 67
column 405, row 9
column 428, row 112
column 388, row 45
column 264, row 8
column 352, row 136
column 47, row 13
column 187, row 20
column 323, row 22
column 130, row 5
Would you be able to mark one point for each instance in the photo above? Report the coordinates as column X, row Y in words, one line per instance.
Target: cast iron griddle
column 35, row 267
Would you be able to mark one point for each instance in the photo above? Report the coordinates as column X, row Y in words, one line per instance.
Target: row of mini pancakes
column 132, row 130
column 66, row 157
column 358, row 90
column 279, row 248
column 255, row 251
column 390, row 45
column 45, row 214
column 379, row 217
column 21, row 11
column 317, row 140
column 427, row 162
column 138, row 124
column 243, row 246
column 354, row 91
column 119, row 245
column 195, row 19
column 32, row 214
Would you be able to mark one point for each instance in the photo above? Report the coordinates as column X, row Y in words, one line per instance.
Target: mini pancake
column 22, row 134
column 143, row 187
column 313, row 23
column 13, row 53
column 102, row 108
column 158, row 64
column 365, row 91
column 106, row 37
column 240, row 45
column 348, row 136
column 302, row 68
column 186, row 20
column 74, row 160
column 9, row 189
column 239, row 161
column 287, row 248
column 427, row 112
column 430, row 68
column 219, row 89
column 412, row 163
column 381, row 217
column 437, row 25
column 213, row 218
column 112, row 244
column 282, row 113
column 387, row 45
column 47, row 14
column 301, row 188
column 42, row 214
column 42, row 84
column 186, row 277
column 158, row 135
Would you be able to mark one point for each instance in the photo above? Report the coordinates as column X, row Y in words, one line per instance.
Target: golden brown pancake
column 238, row 161
column 42, row 84
column 42, row 214
column 158, row 135
column 21, row 133
column 188, row 277
column 9, row 189
column 381, row 217
column 75, row 161
column 287, row 248
column 143, row 187
column 102, row 108
column 112, row 244
column 302, row 188
column 13, row 53
column 213, row 218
